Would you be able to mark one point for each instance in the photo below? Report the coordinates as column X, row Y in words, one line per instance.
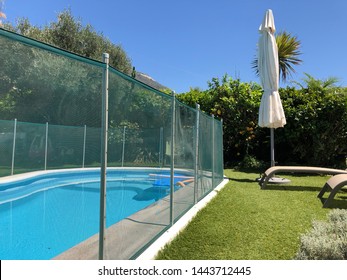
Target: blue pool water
column 44, row 215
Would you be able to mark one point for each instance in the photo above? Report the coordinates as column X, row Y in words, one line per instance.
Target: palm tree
column 288, row 55
column 313, row 85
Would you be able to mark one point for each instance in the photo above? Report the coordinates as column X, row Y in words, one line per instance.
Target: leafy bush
column 315, row 133
column 237, row 104
column 327, row 240
column 251, row 163
column 316, row 129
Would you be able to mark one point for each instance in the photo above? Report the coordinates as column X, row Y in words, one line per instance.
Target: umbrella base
column 276, row 180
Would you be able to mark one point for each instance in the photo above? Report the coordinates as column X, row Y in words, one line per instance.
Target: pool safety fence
column 61, row 111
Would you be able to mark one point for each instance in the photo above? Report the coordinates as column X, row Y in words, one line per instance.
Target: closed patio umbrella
column 271, row 112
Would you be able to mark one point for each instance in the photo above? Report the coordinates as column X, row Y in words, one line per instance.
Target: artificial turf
column 244, row 222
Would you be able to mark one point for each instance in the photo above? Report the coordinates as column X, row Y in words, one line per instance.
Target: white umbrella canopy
column 271, row 112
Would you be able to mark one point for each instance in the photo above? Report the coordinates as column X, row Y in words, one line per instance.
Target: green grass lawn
column 244, row 222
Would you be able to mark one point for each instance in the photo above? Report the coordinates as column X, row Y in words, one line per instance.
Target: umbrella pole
column 272, row 147
column 275, row 180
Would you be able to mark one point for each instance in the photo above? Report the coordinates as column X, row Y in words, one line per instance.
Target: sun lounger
column 269, row 173
column 334, row 184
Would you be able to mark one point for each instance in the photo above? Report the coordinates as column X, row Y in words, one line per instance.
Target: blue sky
column 185, row 43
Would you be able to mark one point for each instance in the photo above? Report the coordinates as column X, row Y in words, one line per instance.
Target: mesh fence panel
column 218, row 152
column 184, row 158
column 205, row 156
column 140, row 122
column 32, row 154
column 53, row 96
column 65, row 144
column 51, row 114
column 7, row 133
column 92, row 148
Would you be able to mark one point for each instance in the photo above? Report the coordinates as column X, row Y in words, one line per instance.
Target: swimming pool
column 43, row 214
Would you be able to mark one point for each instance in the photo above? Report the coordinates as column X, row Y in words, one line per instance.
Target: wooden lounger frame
column 269, row 173
column 334, row 184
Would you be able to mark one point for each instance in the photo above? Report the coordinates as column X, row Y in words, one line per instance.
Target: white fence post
column 213, row 151
column 161, row 144
column 84, row 145
column 123, row 148
column 196, row 158
column 172, row 168
column 46, row 146
column 14, row 145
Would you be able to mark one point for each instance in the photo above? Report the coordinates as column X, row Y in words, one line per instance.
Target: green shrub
column 316, row 129
column 237, row 103
column 251, row 163
column 327, row 240
column 315, row 133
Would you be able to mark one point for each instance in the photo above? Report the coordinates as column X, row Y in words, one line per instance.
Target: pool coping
column 151, row 252
column 119, row 248
column 33, row 174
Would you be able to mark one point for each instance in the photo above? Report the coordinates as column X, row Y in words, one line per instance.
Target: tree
column 2, row 15
column 59, row 90
column 288, row 55
column 69, row 34
column 237, row 104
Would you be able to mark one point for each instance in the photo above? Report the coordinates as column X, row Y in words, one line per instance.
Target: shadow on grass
column 279, row 187
column 293, row 188
column 242, row 180
column 340, row 203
